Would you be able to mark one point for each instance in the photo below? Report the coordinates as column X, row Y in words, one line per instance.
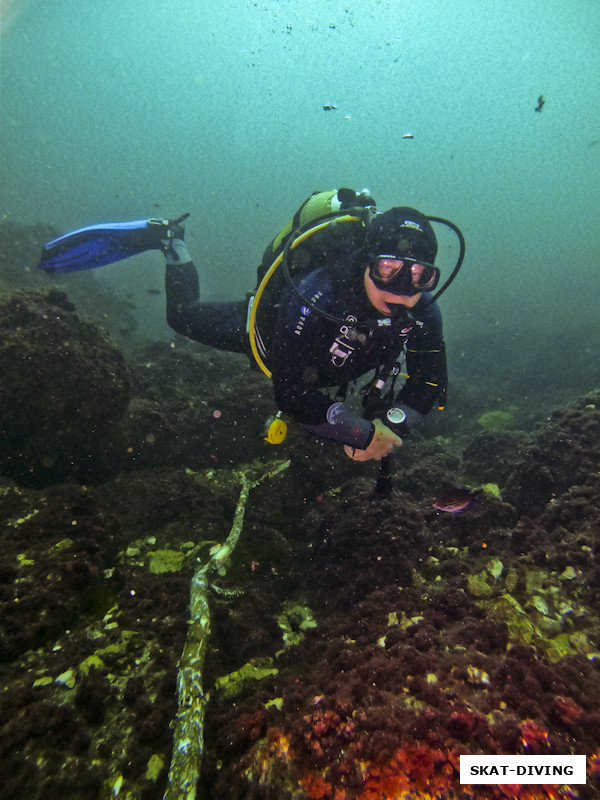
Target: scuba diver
column 343, row 291
column 363, row 309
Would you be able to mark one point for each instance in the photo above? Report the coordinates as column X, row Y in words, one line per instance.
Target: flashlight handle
column 384, row 479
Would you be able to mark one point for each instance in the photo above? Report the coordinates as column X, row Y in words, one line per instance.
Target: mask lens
column 424, row 276
column 386, row 268
column 403, row 275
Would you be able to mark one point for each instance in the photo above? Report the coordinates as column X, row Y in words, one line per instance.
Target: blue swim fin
column 97, row 245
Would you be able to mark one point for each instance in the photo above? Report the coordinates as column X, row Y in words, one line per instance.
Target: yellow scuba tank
column 276, row 430
column 317, row 205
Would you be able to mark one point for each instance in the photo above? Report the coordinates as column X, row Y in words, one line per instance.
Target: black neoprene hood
column 401, row 231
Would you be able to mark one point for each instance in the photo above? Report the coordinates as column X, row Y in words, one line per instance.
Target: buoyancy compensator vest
column 328, row 224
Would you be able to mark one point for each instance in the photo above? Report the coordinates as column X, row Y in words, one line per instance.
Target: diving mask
column 403, row 276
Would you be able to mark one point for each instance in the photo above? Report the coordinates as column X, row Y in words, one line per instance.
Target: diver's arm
column 363, row 440
column 299, row 399
column 341, row 425
column 425, row 365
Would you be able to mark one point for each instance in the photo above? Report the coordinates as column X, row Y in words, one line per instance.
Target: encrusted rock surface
column 64, row 386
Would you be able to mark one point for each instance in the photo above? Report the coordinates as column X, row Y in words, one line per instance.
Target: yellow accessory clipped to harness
column 276, row 431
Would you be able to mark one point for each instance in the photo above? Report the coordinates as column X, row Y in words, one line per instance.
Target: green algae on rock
column 236, row 682
column 160, row 561
column 294, row 621
column 497, row 420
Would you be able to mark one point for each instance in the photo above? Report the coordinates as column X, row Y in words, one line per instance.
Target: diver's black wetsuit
column 310, row 352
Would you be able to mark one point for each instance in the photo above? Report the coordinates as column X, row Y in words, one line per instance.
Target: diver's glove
column 344, row 426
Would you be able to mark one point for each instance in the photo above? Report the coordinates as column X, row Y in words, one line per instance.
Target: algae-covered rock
column 64, row 387
column 569, row 573
column 495, row 567
column 61, row 546
column 535, row 580
column 89, row 663
column 45, row 680
column 276, row 702
column 580, row 642
column 520, row 626
column 67, row 679
column 155, row 766
column 294, row 621
column 559, row 647
column 478, row 585
column 496, row 421
column 235, row 682
column 130, row 641
column 540, row 604
column 492, row 489
column 160, row 561
column 512, row 579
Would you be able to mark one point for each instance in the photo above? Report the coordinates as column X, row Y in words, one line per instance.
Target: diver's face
column 382, row 300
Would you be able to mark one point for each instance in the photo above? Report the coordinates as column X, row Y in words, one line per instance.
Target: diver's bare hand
column 382, row 444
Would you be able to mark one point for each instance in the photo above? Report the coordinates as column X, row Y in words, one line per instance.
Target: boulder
column 64, row 386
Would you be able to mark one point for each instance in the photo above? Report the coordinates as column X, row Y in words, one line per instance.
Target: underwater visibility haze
column 358, row 645
column 130, row 110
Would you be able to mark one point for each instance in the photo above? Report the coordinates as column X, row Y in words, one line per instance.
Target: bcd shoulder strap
column 336, row 233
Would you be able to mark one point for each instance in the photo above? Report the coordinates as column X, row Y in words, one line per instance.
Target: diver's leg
column 221, row 325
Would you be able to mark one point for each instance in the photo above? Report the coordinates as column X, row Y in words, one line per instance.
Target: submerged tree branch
column 188, row 735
